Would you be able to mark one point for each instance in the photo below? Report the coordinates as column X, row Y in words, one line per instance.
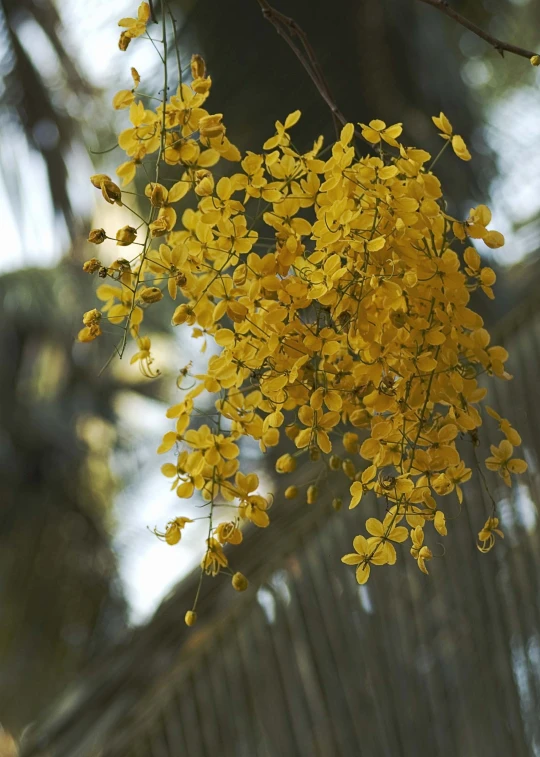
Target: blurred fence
column 313, row 665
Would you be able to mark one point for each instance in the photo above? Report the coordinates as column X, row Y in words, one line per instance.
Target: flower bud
column 334, row 462
column 535, row 60
column 348, row 468
column 314, row 453
column 312, row 494
column 350, row 442
column 286, row 463
column 211, row 126
column 151, row 294
column 292, row 431
column 190, row 618
column 91, row 266
column 97, row 236
column 291, row 492
column 337, row 503
column 239, row 582
column 125, row 236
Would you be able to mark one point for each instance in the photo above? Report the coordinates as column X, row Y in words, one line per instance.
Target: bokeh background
column 305, row 664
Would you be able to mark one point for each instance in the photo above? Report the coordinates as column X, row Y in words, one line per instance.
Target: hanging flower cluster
column 332, row 282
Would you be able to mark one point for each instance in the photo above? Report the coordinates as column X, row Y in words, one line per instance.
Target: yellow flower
column 318, row 424
column 384, row 533
column 460, row 148
column 136, row 27
column 361, row 557
column 486, row 538
column 443, row 124
column 359, row 488
column 214, row 558
column 347, row 309
column 229, row 533
column 501, row 460
column 378, row 130
column 173, row 530
column 511, row 434
column 419, row 551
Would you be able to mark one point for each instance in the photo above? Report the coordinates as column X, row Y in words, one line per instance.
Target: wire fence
column 313, row 665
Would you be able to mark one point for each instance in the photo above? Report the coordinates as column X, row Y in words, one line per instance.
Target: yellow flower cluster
column 334, row 285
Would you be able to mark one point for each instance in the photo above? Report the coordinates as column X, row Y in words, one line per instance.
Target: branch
column 297, row 39
column 152, row 12
column 499, row 45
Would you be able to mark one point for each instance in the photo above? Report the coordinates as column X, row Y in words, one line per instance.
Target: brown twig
column 497, row 44
column 299, row 43
column 152, row 12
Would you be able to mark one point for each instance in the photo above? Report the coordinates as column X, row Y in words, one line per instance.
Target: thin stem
column 498, row 44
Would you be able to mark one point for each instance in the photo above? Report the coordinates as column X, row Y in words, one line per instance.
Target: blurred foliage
column 59, row 584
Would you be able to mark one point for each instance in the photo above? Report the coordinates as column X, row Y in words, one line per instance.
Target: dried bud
column 180, row 279
column 291, row 492
column 314, row 453
column 159, row 227
column 111, row 192
column 150, row 295
column 92, row 265
column 158, row 197
column 337, row 503
column 103, row 273
column 312, row 494
column 239, row 582
column 211, row 126
column 121, row 264
column 136, row 77
column 98, row 178
column 92, row 328
column 124, row 41
column 190, row 618
column 91, row 317
column 125, row 236
column 97, row 236
column 198, row 67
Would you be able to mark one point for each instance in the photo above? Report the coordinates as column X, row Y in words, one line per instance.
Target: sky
column 149, row 568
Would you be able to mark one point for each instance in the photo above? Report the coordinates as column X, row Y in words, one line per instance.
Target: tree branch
column 499, row 45
column 297, row 39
